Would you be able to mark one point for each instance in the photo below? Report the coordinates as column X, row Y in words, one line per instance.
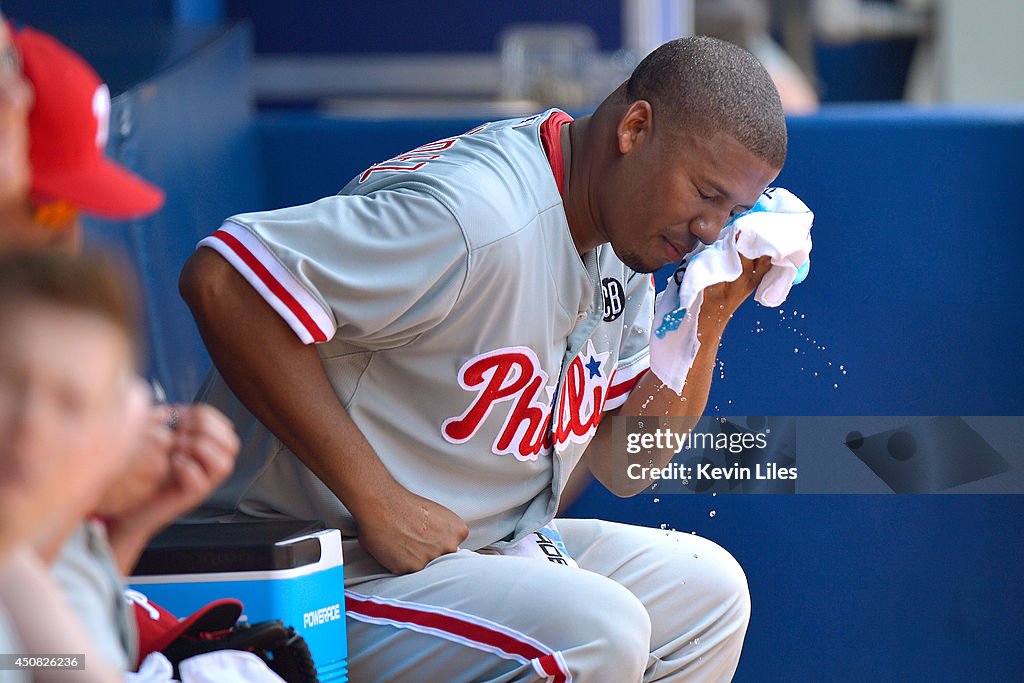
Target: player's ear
column 634, row 126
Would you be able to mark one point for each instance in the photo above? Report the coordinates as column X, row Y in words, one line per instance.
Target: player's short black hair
column 709, row 84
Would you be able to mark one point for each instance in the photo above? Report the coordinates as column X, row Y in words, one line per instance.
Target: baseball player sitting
column 424, row 358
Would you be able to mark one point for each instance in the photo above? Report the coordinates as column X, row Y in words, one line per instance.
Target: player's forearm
column 280, row 379
column 650, row 397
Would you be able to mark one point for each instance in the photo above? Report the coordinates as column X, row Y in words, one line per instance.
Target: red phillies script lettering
column 514, row 375
column 417, row 158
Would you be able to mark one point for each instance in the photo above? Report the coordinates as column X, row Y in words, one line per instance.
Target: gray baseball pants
column 644, row 605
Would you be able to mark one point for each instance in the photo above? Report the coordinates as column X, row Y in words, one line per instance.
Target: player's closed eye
column 706, row 196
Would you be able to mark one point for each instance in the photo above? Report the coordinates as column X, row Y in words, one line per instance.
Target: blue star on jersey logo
column 596, row 360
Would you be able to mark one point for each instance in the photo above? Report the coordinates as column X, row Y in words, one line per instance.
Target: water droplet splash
column 808, row 349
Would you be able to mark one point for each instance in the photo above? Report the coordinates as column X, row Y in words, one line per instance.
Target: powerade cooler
column 292, row 571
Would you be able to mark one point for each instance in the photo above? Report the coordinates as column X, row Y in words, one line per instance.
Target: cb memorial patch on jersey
column 614, row 298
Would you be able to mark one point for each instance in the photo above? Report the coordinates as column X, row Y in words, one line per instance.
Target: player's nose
column 707, row 228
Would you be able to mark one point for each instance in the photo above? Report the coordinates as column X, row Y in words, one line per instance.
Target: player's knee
column 729, row 589
column 619, row 628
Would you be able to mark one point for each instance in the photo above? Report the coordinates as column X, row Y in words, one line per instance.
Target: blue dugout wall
column 913, row 290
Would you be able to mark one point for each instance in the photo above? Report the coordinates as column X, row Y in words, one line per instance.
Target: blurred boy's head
column 68, row 125
column 71, row 405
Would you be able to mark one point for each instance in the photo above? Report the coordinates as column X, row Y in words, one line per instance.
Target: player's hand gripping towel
column 779, row 226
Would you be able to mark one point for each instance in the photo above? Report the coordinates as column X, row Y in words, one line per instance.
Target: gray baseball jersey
column 460, row 328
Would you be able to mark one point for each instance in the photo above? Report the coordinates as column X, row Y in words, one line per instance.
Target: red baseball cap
column 158, row 628
column 68, row 127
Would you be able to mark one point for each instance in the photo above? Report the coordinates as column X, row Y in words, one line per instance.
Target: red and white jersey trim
column 623, row 381
column 459, row 627
column 310, row 321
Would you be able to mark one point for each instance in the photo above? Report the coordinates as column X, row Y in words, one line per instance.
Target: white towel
column 227, row 666
column 779, row 225
column 155, row 668
column 219, row 666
